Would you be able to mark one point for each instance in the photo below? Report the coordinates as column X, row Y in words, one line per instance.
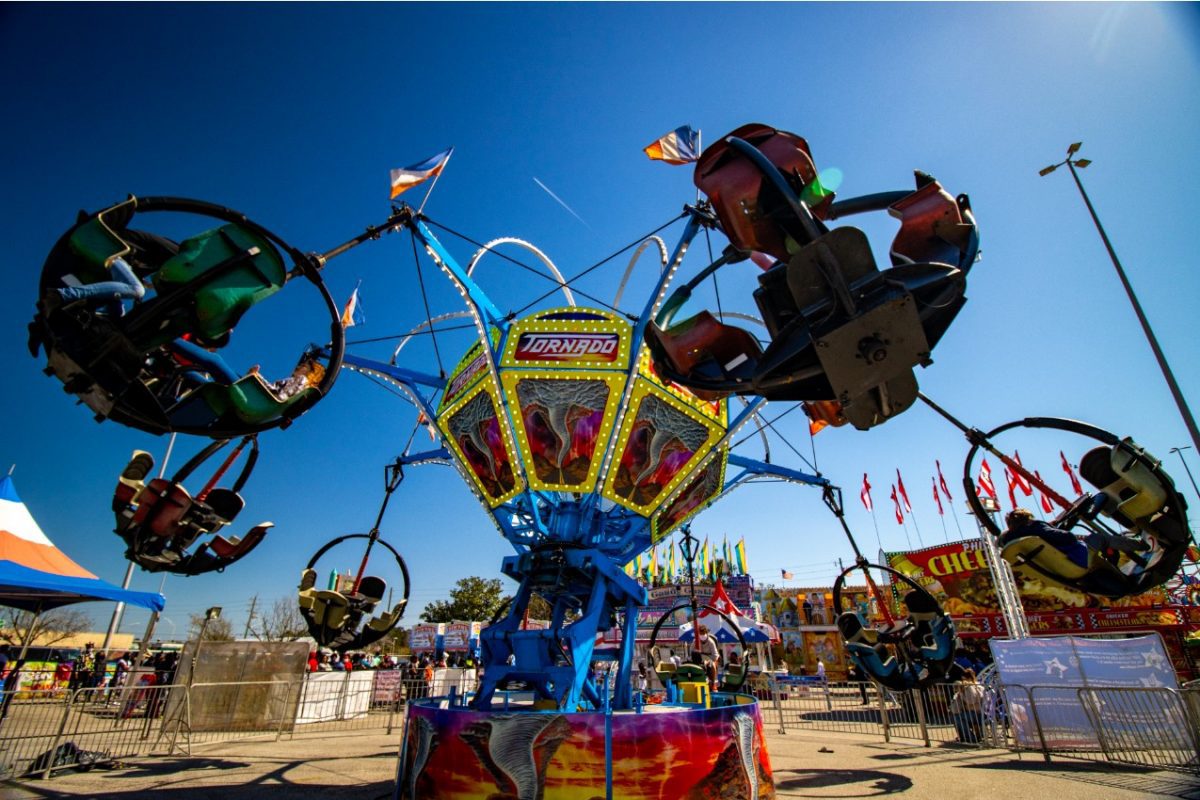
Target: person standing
column 967, row 708
column 858, row 676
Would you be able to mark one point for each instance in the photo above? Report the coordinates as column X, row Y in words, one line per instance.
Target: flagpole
column 875, row 522
column 916, row 527
column 957, row 524
column 436, row 178
column 945, row 533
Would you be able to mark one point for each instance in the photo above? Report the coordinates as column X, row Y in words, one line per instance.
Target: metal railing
column 941, row 713
column 49, row 730
column 79, row 729
column 1151, row 727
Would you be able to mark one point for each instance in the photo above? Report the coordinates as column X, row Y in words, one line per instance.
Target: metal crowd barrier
column 942, row 713
column 79, row 729
column 1151, row 727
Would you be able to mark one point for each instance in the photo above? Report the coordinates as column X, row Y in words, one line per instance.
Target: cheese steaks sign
column 566, row 347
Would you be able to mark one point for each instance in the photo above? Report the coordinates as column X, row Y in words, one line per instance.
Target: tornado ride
column 588, row 435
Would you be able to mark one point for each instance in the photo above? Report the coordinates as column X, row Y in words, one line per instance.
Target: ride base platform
column 660, row 750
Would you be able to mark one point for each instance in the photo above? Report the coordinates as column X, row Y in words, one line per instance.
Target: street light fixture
column 1184, row 411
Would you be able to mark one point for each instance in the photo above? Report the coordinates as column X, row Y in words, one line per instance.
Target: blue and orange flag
column 680, row 146
column 408, row 177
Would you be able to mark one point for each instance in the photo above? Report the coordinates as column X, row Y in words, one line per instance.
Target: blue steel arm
column 478, row 301
column 760, row 469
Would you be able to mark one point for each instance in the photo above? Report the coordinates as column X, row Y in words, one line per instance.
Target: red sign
column 566, row 346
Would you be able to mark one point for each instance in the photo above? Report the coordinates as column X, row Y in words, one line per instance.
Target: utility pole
column 250, row 616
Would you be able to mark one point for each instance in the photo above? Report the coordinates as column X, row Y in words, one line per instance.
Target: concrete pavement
column 360, row 766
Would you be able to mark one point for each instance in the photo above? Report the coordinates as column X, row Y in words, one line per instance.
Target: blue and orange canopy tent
column 37, row 576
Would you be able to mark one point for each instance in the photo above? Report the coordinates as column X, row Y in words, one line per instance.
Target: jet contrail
column 558, row 199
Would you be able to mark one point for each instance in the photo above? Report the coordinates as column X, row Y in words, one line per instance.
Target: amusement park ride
column 587, row 436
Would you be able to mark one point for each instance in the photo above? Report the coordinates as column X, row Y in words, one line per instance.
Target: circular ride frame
column 571, row 546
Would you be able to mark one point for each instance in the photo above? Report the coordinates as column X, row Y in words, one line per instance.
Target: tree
column 281, row 622
column 396, row 641
column 471, row 599
column 45, row 629
column 218, row 630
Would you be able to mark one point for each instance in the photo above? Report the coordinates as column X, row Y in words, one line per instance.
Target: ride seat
column 742, row 196
column 233, row 549
column 223, row 292
column 225, row 504
column 703, row 347
column 854, row 629
column 249, row 399
column 1044, row 558
column 328, row 609
column 387, row 620
column 372, row 589
column 735, row 677
column 1122, row 473
column 163, row 508
column 938, row 643
column 97, row 245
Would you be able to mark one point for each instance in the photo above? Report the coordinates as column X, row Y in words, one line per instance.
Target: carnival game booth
column 36, row 576
column 957, row 574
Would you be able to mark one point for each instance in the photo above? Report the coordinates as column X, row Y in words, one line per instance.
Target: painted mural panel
column 693, row 499
column 560, row 423
column 478, row 440
column 454, row 754
column 662, row 442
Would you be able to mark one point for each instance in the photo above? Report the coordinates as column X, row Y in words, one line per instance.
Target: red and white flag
column 1047, row 506
column 349, row 311
column 404, row 179
column 1011, row 480
column 903, row 493
column 942, row 481
column 985, row 481
column 899, row 513
column 865, row 494
column 937, row 498
column 1075, row 486
column 1022, row 482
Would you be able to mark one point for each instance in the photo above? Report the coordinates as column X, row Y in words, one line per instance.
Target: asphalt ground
column 806, row 765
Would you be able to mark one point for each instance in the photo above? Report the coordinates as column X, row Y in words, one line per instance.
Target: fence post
column 1037, row 720
column 918, row 697
column 283, row 714
column 62, row 726
column 773, row 687
column 883, row 712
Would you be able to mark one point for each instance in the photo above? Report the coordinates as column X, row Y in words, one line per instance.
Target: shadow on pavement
column 1113, row 776
column 851, row 782
column 184, row 779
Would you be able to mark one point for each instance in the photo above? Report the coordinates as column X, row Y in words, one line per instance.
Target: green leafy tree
column 471, row 599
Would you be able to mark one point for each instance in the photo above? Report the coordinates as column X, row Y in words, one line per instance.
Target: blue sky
column 294, row 114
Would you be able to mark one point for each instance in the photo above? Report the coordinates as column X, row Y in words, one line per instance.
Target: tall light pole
column 1184, row 411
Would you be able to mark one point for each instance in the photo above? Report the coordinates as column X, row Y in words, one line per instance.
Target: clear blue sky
column 295, row 113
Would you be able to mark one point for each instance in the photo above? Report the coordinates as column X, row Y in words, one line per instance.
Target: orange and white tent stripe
column 23, row 542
